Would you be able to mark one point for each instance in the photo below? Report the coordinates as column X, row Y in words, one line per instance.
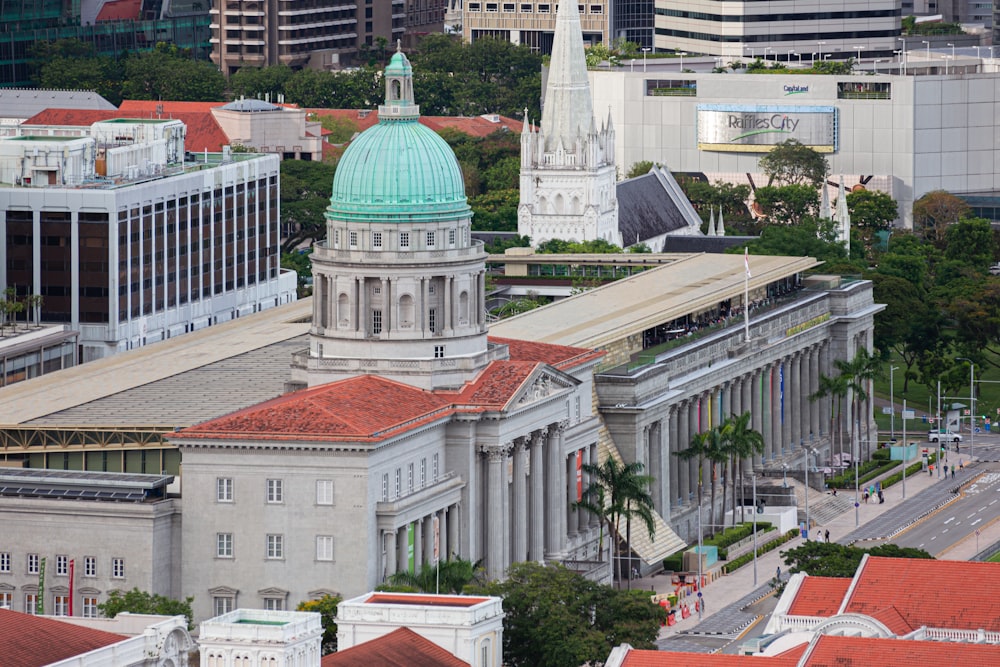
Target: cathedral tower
column 399, row 283
column 568, row 166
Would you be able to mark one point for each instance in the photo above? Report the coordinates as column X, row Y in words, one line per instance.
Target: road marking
column 982, row 509
column 971, row 515
column 949, row 520
column 994, row 502
column 945, row 530
column 974, row 522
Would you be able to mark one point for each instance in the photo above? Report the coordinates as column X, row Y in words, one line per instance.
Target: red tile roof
column 399, row 648
column 149, row 107
column 120, row 10
column 476, row 126
column 497, row 384
column 562, row 357
column 819, row 596
column 837, row 651
column 203, row 132
column 429, row 600
column 32, row 641
column 938, row 594
column 675, row 659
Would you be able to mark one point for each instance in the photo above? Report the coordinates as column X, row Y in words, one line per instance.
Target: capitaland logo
column 777, row 123
column 795, row 90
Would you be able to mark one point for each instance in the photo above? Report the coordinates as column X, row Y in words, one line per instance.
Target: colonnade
column 396, row 542
column 529, row 487
column 777, row 395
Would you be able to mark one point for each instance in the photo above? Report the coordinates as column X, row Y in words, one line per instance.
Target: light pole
column 877, row 61
column 859, row 52
column 972, row 405
column 952, row 51
column 906, row 448
column 701, row 605
column 977, row 48
column 784, row 477
column 857, row 495
column 892, row 403
column 903, row 52
column 928, row 51
column 791, row 52
column 766, row 49
column 753, row 477
column 799, row 54
column 682, row 54
column 809, row 451
column 645, row 50
column 820, row 45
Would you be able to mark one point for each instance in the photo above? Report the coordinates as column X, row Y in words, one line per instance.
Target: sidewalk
column 729, row 589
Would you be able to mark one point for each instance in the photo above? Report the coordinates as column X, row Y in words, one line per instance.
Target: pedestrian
column 930, row 470
column 777, row 574
column 953, row 472
column 946, row 470
column 881, row 497
column 826, row 536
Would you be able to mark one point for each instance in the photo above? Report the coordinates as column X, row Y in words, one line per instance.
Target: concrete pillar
column 443, row 546
column 536, row 549
column 402, row 550
column 418, row 545
column 704, row 424
column 572, row 513
column 454, row 524
column 774, row 410
column 386, row 307
column 746, row 404
column 391, row 555
column 689, row 468
column 428, row 546
column 793, row 398
column 672, row 460
column 826, row 403
column 519, row 499
column 757, row 410
column 658, row 470
column 496, row 456
column 815, row 422
column 556, row 489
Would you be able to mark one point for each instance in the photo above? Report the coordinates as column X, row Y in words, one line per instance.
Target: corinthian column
column 496, row 457
column 520, row 502
column 536, row 549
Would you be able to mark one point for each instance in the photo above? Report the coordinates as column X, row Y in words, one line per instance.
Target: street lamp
column 682, row 54
column 645, row 50
column 766, row 49
column 906, row 448
column 892, row 403
column 809, row 450
column 924, row 41
column 972, row 405
column 977, row 48
column 791, row 52
column 753, row 477
column 821, row 45
column 859, row 52
column 903, row 51
column 784, row 477
column 952, row 51
column 877, row 61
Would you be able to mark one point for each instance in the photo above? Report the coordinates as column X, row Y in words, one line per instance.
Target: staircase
column 824, row 507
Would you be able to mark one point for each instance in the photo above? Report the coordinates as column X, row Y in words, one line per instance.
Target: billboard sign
column 742, row 128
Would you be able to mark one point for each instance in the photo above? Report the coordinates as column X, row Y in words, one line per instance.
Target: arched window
column 396, row 90
column 343, row 310
column 559, row 204
column 576, row 206
column 485, row 653
column 405, row 311
column 463, row 308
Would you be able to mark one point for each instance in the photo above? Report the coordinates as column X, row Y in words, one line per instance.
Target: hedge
column 911, row 470
column 737, row 563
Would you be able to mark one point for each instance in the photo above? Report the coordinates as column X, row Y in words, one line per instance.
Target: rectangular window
column 324, row 491
column 324, row 547
column 377, row 321
column 432, row 319
column 336, row 238
column 404, row 240
column 430, row 239
column 275, row 546
column 89, row 566
column 385, row 487
column 474, row 7
column 596, row 9
column 275, row 493
column 62, row 565
column 5, row 561
column 6, row 601
column 274, row 604
column 30, row 603
column 376, row 239
column 409, row 478
column 90, row 607
column 671, row 88
column 61, row 607
column 118, row 568
column 508, row 7
column 434, row 467
column 397, row 483
column 354, row 240
column 223, row 545
column 423, row 473
column 222, row 604
column 33, row 564
column 543, row 9
column 224, row 489
column 856, row 90
column 525, row 8
column 439, row 351
column 451, row 237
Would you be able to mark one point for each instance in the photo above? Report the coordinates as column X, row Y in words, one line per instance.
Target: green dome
column 398, row 170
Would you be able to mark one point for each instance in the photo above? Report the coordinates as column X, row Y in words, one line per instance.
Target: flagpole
column 746, row 295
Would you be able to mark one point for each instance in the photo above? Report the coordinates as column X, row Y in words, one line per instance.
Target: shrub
column 737, row 563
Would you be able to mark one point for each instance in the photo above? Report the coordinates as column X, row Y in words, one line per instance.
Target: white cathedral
column 568, row 166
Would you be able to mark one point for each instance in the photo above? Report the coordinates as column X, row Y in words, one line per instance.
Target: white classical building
column 568, row 165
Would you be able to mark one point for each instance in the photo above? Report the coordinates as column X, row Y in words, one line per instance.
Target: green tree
column 911, row 324
column 141, row 602
column 706, row 446
column 169, row 73
column 326, row 607
column 826, row 559
column 788, row 204
column 793, row 163
column 933, row 212
column 260, row 82
column 834, row 387
column 640, row 168
column 810, row 238
column 448, row 576
column 741, row 442
column 301, row 263
column 860, row 371
column 619, row 490
column 341, row 129
column 557, row 618
column 304, row 196
column 102, row 74
column 970, row 242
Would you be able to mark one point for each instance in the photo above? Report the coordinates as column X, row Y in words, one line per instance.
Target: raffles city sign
column 756, row 129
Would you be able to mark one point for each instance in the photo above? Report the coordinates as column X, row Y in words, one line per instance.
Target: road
column 978, row 507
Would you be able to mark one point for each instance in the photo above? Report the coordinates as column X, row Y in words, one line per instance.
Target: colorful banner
column 72, row 570
column 40, row 601
column 410, row 551
column 781, row 392
column 579, row 475
column 437, row 538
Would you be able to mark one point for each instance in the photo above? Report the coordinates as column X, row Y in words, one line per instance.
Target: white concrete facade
column 903, row 135
column 261, row 637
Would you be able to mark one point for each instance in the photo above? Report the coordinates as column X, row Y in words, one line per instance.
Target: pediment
column 540, row 385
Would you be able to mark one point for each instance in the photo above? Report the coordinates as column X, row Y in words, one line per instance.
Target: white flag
column 746, row 260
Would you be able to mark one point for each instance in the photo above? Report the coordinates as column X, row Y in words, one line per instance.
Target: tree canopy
column 326, row 607
column 141, row 602
column 826, row 559
column 557, row 618
column 933, row 212
column 793, row 163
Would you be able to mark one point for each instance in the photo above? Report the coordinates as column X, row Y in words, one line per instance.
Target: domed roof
column 398, row 170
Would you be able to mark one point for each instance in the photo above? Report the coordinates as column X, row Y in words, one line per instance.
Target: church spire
column 568, row 111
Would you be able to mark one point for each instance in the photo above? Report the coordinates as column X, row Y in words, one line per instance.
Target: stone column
column 746, row 404
column 774, row 410
column 443, row 545
column 826, row 403
column 804, row 405
column 391, row 554
column 519, row 500
column 658, row 470
column 815, row 422
column 688, row 468
column 449, row 285
column 572, row 513
column 757, row 410
column 793, row 399
column 418, row 544
column 361, row 303
column 386, row 306
column 454, row 523
column 428, row 546
column 536, row 550
column 555, row 488
column 496, row 456
column 673, row 461
column 704, row 424
column 402, row 549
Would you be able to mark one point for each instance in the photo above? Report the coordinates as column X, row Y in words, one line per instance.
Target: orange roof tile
column 203, row 132
column 497, row 384
column 32, row 641
column 399, row 648
column 675, row 659
column 562, row 357
column 120, row 10
column 819, row 596
column 361, row 408
column 429, row 600
column 837, row 651
column 939, row 594
column 149, row 107
column 476, row 126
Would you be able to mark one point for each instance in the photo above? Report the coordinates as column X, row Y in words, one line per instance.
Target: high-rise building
column 316, row 33
column 568, row 165
column 533, row 23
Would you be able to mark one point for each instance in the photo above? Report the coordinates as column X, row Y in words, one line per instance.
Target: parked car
column 944, row 434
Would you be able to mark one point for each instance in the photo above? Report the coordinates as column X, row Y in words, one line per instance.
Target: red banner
column 579, row 475
column 72, row 568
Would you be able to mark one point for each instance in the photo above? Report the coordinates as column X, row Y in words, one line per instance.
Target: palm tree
column 859, row 371
column 741, row 442
column 836, row 386
column 451, row 576
column 616, row 491
column 706, row 445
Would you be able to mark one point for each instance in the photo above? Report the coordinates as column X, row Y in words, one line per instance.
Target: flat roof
column 178, row 382
column 631, row 305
